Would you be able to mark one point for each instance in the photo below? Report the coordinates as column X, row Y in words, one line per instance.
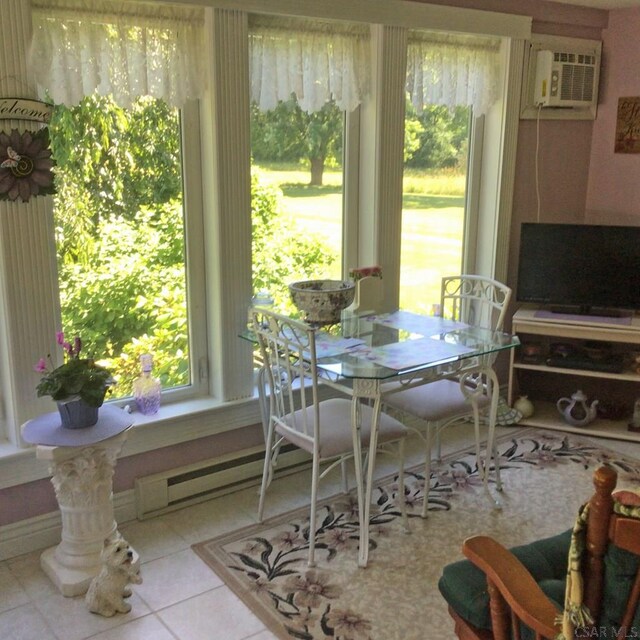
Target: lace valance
column 315, row 61
column 120, row 48
column 453, row 70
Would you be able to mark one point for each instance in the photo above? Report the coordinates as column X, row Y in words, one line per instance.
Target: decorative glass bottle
column 146, row 389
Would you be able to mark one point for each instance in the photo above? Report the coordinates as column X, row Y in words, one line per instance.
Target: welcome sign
column 23, row 109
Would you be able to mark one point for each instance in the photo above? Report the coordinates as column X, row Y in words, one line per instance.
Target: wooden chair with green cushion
column 501, row 594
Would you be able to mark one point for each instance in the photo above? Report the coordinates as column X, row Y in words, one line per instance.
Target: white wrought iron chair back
column 475, row 300
column 292, row 380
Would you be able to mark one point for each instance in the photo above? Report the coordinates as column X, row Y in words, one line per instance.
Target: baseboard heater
column 176, row 488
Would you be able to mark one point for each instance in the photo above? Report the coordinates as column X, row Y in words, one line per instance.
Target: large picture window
column 120, row 236
column 304, row 77
column 433, row 203
column 450, row 78
column 297, row 196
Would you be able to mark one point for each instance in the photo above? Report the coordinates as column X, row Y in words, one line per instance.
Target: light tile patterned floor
column 180, row 598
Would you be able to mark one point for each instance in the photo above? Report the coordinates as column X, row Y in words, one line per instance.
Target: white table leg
column 365, row 389
column 357, row 463
column 491, row 439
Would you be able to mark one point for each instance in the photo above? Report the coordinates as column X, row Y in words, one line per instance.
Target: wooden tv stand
column 545, row 383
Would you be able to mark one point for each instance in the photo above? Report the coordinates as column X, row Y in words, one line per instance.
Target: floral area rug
column 546, row 476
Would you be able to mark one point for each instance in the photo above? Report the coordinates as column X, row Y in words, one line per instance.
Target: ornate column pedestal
column 82, row 476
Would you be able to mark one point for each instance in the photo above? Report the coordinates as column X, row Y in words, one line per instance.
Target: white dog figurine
column 108, row 589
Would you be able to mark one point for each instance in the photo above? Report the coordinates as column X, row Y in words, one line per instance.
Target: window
column 449, row 78
column 433, row 203
column 120, row 236
column 297, row 196
column 304, row 76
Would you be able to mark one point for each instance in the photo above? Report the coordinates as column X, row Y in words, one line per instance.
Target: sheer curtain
column 314, row 60
column 120, row 48
column 453, row 70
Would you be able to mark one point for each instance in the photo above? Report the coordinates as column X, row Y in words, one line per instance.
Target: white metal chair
column 477, row 301
column 297, row 415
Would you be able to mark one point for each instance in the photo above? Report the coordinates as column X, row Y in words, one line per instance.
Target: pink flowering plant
column 80, row 377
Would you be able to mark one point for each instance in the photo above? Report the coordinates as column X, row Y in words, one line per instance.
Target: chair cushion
column 464, row 586
column 335, row 428
column 431, row 402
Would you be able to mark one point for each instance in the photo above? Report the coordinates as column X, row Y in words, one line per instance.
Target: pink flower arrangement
column 71, row 351
column 78, row 376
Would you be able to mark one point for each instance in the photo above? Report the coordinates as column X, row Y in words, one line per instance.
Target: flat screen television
column 579, row 268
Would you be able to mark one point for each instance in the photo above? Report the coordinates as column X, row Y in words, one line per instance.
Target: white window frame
column 194, row 255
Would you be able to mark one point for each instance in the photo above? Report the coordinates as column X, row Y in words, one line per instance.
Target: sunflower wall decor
column 25, row 165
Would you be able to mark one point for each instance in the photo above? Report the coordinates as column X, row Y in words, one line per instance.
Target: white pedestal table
column 82, row 463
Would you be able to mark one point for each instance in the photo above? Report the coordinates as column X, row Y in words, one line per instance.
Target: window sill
column 173, row 424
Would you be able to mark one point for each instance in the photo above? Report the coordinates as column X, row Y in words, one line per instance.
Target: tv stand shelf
column 529, row 374
column 547, row 417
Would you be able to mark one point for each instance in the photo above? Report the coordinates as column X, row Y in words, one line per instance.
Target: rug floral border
column 302, row 605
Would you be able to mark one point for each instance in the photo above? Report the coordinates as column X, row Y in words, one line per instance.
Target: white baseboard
column 41, row 532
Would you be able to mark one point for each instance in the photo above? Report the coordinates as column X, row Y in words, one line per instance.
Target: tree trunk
column 317, row 170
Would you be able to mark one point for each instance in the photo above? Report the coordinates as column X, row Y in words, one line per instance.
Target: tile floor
column 180, row 598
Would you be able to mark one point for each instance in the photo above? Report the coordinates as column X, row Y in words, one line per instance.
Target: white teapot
column 575, row 411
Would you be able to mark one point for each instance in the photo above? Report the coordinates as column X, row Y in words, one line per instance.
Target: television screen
column 583, row 266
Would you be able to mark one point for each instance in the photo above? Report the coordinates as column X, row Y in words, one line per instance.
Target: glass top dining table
column 363, row 352
column 402, row 343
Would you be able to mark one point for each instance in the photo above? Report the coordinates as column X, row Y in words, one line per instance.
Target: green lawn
column 433, row 219
column 431, row 249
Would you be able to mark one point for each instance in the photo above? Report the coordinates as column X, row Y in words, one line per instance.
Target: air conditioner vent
column 565, row 79
column 577, row 83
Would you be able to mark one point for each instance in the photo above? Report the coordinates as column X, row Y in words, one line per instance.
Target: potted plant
column 78, row 386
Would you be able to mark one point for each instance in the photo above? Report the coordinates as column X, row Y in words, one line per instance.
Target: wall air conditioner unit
column 565, row 79
column 560, row 78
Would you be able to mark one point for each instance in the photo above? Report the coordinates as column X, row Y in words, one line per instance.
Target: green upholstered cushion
column 464, row 586
column 554, row 589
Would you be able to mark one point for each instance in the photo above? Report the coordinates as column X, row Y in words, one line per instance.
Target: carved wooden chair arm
column 509, row 582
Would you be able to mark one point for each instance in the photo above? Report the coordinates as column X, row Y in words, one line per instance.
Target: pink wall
column 38, row 497
column 563, row 169
column 614, row 178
